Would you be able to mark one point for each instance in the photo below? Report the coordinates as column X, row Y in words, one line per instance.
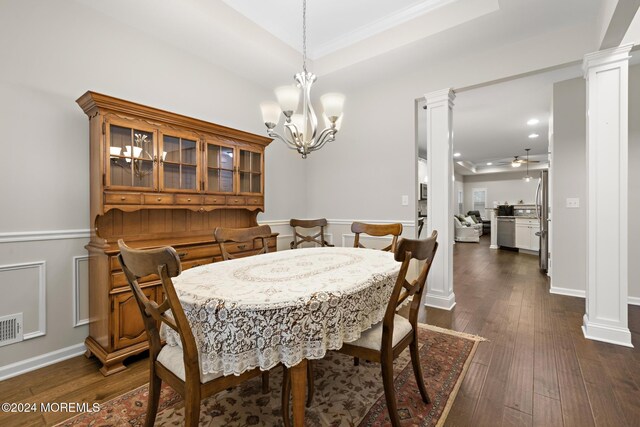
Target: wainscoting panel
column 24, row 290
column 38, row 277
column 80, row 290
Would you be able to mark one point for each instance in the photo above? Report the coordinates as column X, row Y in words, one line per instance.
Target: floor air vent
column 10, row 329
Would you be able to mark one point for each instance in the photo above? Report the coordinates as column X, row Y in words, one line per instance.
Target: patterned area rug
column 345, row 395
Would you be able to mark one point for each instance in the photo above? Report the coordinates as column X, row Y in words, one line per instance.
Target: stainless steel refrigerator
column 542, row 203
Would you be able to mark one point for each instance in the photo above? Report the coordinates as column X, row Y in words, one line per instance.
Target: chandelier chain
column 304, row 35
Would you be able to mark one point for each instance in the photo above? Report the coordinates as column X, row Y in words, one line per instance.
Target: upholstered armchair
column 467, row 233
column 486, row 223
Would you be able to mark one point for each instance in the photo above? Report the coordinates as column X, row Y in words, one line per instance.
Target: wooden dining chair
column 318, row 238
column 178, row 366
column 242, row 235
column 384, row 341
column 377, row 230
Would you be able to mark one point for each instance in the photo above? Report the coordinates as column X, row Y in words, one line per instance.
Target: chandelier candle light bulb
column 301, row 127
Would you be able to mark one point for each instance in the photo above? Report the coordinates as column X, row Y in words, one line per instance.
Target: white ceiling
column 375, row 39
column 332, row 24
column 490, row 122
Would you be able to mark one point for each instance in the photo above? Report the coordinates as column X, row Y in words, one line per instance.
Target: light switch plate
column 405, row 200
column 573, row 202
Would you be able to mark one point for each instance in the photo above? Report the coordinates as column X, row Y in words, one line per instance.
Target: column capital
column 440, row 96
column 605, row 57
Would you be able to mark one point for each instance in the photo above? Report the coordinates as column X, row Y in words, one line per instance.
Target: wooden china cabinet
column 159, row 178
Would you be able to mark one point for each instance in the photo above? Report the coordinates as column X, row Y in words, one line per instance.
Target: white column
column 440, row 204
column 607, row 74
column 494, row 229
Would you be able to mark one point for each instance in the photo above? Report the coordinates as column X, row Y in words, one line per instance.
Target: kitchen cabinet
column 526, row 229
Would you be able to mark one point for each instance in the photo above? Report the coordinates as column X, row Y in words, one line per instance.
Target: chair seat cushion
column 372, row 337
column 171, row 358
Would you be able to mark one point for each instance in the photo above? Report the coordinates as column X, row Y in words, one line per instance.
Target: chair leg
column 192, row 407
column 310, row 387
column 417, row 370
column 265, row 382
column 389, row 391
column 356, row 361
column 155, row 383
column 286, row 394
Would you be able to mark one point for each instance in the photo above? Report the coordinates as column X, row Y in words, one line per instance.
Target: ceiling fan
column 517, row 161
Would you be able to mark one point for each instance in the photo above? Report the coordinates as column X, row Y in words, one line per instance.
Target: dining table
column 283, row 308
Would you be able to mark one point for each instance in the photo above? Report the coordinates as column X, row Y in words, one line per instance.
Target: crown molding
column 377, row 26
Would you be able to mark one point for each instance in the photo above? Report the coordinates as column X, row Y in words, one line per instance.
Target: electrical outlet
column 573, row 202
column 405, row 200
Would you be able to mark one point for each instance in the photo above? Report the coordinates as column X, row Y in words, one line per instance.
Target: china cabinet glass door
column 131, row 157
column 179, row 163
column 250, row 170
column 220, row 168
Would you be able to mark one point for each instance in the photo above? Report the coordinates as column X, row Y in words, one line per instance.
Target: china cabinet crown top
column 92, row 102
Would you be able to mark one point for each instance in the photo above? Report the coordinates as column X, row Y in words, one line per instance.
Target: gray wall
column 507, row 187
column 373, row 161
column 52, row 52
column 569, row 256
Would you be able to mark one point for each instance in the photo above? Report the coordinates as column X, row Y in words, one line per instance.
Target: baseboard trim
column 580, row 293
column 438, row 301
column 37, row 362
column 633, row 301
column 606, row 333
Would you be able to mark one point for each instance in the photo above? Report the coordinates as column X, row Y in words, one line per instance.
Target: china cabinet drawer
column 182, row 199
column 158, row 199
column 255, row 200
column 122, row 198
column 198, row 252
column 214, row 200
column 119, row 280
column 236, row 201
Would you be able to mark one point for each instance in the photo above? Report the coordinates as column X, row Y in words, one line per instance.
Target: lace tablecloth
column 283, row 306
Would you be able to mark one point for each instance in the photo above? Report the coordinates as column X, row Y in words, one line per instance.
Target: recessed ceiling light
column 533, row 135
column 456, row 154
column 532, row 122
column 489, row 164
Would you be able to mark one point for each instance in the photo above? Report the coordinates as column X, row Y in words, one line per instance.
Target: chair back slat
column 377, row 230
column 242, row 235
column 317, row 238
column 407, row 250
column 164, row 262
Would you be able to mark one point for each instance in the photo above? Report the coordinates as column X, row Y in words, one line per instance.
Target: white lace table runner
column 283, row 306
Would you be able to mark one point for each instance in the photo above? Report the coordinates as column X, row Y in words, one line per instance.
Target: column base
column 441, row 302
column 493, row 247
column 606, row 333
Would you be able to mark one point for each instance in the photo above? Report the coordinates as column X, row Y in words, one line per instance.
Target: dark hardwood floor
column 536, row 370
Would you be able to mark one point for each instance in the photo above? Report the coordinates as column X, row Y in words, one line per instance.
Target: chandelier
column 301, row 128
